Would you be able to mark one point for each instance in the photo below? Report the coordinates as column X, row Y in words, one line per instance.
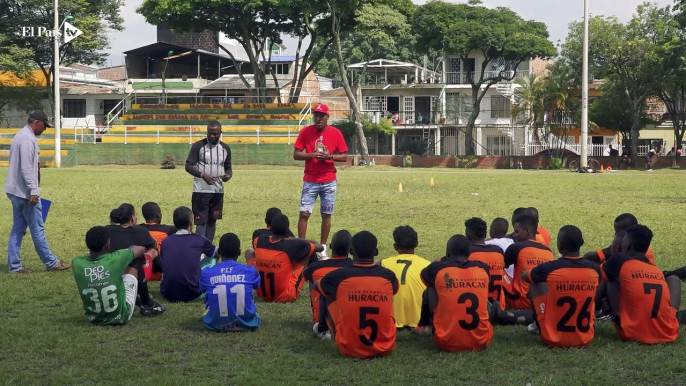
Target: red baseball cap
column 321, row 108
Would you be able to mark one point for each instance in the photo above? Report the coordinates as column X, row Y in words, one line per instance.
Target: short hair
column 500, row 227
column 626, row 218
column 533, row 211
column 97, row 238
column 405, row 237
column 518, row 212
column 229, row 246
column 280, row 225
column 150, row 210
column 123, row 214
column 620, row 235
column 640, row 237
column 570, row 238
column 364, row 245
column 214, row 123
column 527, row 220
column 459, row 245
column 476, row 226
column 271, row 212
column 182, row 217
column 341, row 243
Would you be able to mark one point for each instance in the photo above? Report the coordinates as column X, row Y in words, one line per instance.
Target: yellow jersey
column 407, row 303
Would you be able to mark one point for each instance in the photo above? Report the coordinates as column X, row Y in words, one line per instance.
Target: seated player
column 271, row 212
column 491, row 255
column 359, row 302
column 524, row 254
column 153, row 224
column 498, row 234
column 458, row 299
column 562, row 293
column 622, row 223
column 407, row 267
column 341, row 244
column 280, row 261
column 543, row 234
column 123, row 234
column 228, row 286
column 107, row 281
column 642, row 301
column 185, row 254
column 516, row 213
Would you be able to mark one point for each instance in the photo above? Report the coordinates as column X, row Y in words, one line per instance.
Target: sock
column 425, row 313
column 322, row 315
column 201, row 229
column 210, row 230
column 142, row 283
column 528, row 315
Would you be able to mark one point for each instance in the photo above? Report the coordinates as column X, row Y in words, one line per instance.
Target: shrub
column 408, row 160
column 555, row 163
column 169, row 161
column 467, row 162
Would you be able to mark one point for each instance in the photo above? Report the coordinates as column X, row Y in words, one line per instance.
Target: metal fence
column 594, row 150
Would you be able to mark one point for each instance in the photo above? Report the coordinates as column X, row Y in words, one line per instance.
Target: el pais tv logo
column 69, row 32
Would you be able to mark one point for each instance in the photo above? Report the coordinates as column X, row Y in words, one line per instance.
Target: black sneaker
column 155, row 309
column 602, row 316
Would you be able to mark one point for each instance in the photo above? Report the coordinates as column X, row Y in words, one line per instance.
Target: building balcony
column 405, row 118
column 462, row 77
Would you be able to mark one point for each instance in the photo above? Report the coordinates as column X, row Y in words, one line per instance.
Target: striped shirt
column 214, row 160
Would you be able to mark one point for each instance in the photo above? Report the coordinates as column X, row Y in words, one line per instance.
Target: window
column 74, row 108
column 498, row 145
column 279, row 68
column 375, row 103
column 228, row 100
column 500, row 107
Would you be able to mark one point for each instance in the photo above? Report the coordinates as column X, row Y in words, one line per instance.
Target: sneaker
column 497, row 315
column 59, row 267
column 326, row 335
column 533, row 329
column 155, row 309
column 22, row 270
column 422, row 330
column 650, row 170
column 600, row 316
column 322, row 256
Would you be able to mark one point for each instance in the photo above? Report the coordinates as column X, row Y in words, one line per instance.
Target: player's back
column 460, row 320
column 494, row 258
column 315, row 272
column 568, row 317
column 101, row 286
column 229, row 303
column 360, row 305
column 408, row 301
column 645, row 312
column 526, row 255
column 605, row 253
column 279, row 263
column 543, row 236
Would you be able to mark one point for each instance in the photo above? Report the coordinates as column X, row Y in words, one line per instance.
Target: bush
column 467, row 162
column 408, row 160
column 555, row 163
column 169, row 161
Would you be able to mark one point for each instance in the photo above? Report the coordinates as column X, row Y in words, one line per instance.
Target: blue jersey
column 229, row 304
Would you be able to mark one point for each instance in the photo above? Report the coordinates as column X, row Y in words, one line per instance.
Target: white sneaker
column 650, row 170
column 322, row 256
column 533, row 329
column 326, row 335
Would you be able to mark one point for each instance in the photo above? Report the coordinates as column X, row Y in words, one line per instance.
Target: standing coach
column 209, row 161
column 319, row 145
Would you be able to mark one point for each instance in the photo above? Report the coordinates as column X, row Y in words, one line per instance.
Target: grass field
column 45, row 339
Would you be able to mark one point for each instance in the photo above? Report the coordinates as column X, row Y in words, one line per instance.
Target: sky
column 555, row 14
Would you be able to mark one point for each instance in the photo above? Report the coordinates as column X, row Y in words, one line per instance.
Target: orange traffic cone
column 601, row 168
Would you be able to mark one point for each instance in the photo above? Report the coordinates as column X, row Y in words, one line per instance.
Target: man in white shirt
column 498, row 234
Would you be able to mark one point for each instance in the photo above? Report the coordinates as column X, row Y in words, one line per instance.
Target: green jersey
column 101, row 286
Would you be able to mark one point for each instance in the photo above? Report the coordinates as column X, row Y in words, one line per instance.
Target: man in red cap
column 319, row 145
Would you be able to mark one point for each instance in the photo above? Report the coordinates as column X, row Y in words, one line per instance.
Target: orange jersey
column 460, row 320
column 158, row 232
column 360, row 304
column 605, row 253
column 280, row 265
column 645, row 312
column 543, row 236
column 566, row 315
column 315, row 272
column 524, row 255
column 494, row 258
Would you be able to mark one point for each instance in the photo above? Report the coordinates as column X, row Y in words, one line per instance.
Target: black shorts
column 207, row 206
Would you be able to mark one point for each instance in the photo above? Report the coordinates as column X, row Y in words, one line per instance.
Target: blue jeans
column 327, row 193
column 25, row 215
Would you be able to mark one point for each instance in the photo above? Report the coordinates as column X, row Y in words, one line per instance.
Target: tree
column 256, row 25
column 612, row 109
column 503, row 38
column 94, row 18
column 636, row 57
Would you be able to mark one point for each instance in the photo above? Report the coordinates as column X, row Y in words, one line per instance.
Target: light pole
column 584, row 92
column 56, row 84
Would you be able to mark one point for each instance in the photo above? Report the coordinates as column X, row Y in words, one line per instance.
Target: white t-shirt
column 503, row 243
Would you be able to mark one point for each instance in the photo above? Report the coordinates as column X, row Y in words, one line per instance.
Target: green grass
column 45, row 338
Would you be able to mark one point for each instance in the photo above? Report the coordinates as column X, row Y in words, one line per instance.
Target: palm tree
column 530, row 102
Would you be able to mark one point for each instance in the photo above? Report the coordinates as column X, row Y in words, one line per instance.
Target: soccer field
column 46, row 339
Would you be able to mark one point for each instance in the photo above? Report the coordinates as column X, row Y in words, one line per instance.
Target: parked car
column 555, row 153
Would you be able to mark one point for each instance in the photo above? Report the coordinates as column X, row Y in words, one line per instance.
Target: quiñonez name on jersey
column 223, row 278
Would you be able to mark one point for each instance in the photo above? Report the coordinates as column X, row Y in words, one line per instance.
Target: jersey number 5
column 371, row 323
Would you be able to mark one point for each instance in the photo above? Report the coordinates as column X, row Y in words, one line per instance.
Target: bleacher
column 174, row 125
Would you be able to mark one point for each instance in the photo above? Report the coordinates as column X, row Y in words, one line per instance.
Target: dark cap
column 40, row 116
